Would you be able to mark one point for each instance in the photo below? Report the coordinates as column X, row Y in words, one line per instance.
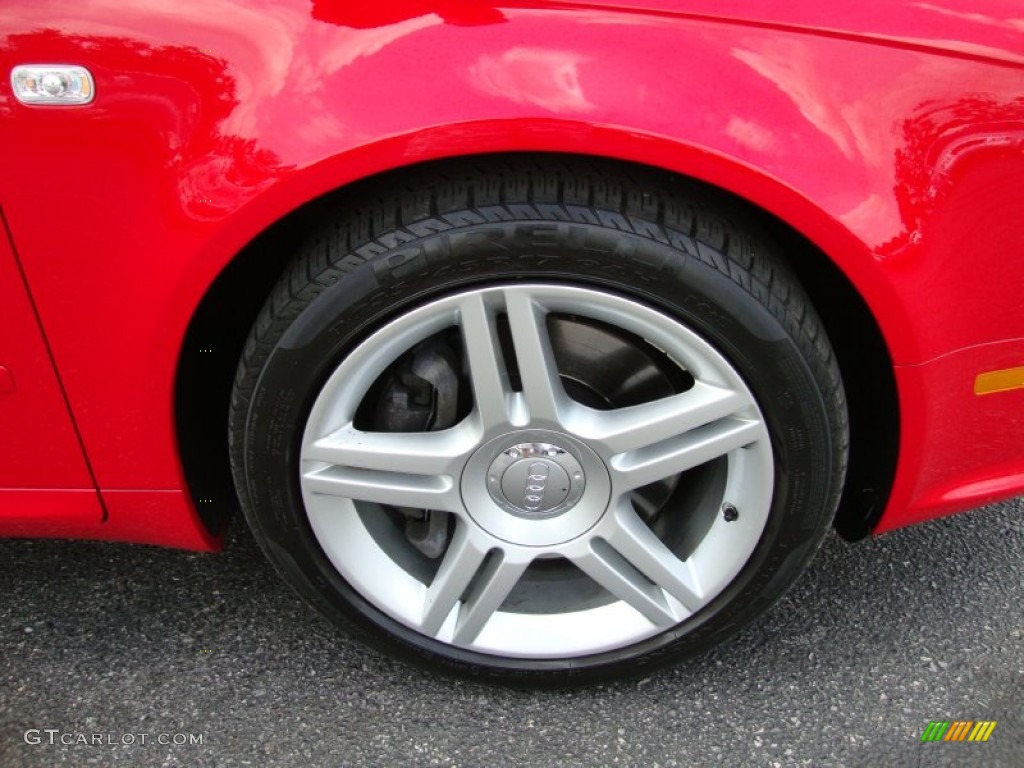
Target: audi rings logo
column 535, row 480
column 536, row 483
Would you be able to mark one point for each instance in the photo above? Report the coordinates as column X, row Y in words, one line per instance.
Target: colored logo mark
column 958, row 730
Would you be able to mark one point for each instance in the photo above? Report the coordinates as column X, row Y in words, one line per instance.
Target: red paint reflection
column 943, row 146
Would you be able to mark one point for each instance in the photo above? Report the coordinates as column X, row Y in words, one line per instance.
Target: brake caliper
column 422, row 396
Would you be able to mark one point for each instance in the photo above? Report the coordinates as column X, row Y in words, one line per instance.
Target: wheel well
column 209, row 357
column 218, row 330
column 868, row 377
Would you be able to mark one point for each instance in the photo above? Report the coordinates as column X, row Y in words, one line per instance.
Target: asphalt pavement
column 143, row 653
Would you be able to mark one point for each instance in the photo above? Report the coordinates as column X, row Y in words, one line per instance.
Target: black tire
column 665, row 243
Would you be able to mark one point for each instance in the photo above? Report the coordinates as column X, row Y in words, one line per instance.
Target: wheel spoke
column 461, row 562
column 404, row 469
column 416, row 453
column 487, row 371
column 493, row 583
column 640, row 547
column 678, row 454
column 638, row 426
column 399, row 489
column 609, row 569
column 542, row 389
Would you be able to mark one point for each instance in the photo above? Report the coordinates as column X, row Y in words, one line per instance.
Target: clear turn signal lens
column 52, row 84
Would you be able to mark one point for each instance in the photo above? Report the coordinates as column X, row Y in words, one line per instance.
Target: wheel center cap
column 535, row 488
column 535, row 480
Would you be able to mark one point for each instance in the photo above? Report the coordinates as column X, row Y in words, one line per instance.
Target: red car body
column 140, row 228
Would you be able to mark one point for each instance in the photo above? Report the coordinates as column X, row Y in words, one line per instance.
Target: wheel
column 550, row 423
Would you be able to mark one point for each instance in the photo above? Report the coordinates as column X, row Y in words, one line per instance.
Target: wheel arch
column 218, row 327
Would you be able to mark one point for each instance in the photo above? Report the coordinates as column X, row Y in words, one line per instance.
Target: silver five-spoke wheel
column 532, row 487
